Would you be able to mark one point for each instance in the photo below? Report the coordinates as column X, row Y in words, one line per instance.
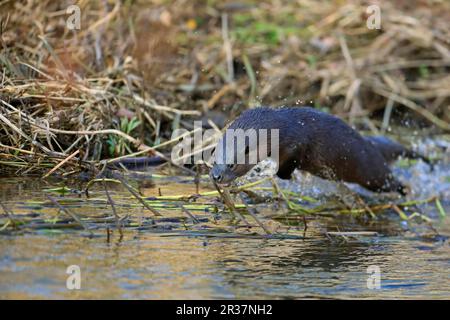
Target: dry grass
column 133, row 73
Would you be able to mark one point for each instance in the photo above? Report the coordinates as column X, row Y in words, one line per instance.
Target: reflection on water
column 145, row 265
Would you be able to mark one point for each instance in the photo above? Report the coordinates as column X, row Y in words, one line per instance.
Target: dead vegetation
column 134, row 72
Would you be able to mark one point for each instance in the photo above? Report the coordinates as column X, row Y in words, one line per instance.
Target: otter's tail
column 391, row 150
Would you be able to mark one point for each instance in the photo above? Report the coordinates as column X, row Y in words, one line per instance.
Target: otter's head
column 247, row 141
column 227, row 173
column 236, row 154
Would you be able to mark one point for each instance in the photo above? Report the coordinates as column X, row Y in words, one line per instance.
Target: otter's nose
column 216, row 176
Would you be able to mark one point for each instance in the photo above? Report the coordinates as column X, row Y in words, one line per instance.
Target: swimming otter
column 318, row 143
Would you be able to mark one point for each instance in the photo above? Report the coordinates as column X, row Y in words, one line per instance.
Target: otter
column 316, row 142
